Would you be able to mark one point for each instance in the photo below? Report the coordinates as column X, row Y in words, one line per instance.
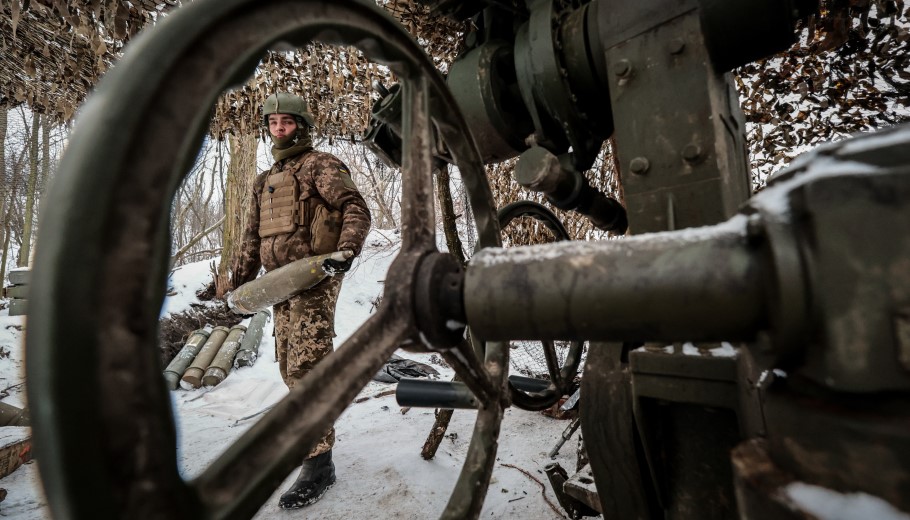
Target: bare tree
column 197, row 210
column 241, row 173
column 29, row 216
column 4, row 203
column 379, row 184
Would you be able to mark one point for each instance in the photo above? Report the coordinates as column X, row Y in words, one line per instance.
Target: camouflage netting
column 337, row 81
column 55, row 52
column 848, row 74
column 852, row 60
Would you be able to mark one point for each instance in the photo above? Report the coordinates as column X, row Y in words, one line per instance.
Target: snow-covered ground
column 377, row 451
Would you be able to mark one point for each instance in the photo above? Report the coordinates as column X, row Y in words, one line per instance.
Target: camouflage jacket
column 319, row 175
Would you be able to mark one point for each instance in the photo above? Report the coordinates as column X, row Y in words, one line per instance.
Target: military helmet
column 282, row 103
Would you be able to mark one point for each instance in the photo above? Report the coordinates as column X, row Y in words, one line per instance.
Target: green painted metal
column 788, row 273
column 249, row 344
column 192, row 377
column 705, row 284
column 224, row 360
column 280, row 284
column 108, row 314
column 698, row 175
column 185, row 357
column 284, row 103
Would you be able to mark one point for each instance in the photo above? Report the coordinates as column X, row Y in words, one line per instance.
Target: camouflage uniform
column 304, row 325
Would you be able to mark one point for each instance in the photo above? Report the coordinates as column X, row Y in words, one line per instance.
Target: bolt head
column 623, row 68
column 639, row 165
column 755, row 229
column 692, row 153
column 676, row 45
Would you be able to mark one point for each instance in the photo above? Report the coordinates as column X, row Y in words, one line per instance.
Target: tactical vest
column 282, row 210
column 279, row 205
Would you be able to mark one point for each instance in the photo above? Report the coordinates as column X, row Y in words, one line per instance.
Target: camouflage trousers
column 304, row 328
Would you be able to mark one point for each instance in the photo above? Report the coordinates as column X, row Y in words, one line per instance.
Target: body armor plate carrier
column 282, row 210
column 279, row 207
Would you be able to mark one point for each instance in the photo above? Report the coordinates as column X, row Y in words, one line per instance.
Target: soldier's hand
column 332, row 266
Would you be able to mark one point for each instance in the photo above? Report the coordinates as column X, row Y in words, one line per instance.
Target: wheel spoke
column 471, row 371
column 471, row 488
column 418, row 222
column 104, row 253
column 561, row 378
column 242, row 478
column 553, row 368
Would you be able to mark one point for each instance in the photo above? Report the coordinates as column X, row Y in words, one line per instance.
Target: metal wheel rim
column 100, row 273
column 560, row 377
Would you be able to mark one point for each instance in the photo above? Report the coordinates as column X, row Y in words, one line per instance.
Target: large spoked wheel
column 103, row 427
column 561, row 375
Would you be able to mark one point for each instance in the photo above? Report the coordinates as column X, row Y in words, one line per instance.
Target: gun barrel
column 280, row 284
column 187, row 354
column 703, row 284
column 424, row 393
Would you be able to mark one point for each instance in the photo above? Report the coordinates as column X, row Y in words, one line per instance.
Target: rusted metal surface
column 844, row 443
column 580, row 486
column 790, row 272
column 122, row 257
column 576, row 494
column 704, row 284
column 760, row 485
column 608, row 426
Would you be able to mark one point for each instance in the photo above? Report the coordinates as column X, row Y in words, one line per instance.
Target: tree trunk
column 5, row 255
column 239, row 185
column 453, row 241
column 26, row 249
column 7, row 183
column 6, row 225
column 447, row 207
column 46, row 123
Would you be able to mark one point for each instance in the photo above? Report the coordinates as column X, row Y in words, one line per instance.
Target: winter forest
column 847, row 74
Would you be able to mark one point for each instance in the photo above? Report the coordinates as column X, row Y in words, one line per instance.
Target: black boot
column 316, row 476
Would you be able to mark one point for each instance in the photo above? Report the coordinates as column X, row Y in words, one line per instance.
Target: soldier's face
column 282, row 125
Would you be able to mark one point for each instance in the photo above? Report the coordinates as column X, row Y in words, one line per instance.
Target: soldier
column 305, row 205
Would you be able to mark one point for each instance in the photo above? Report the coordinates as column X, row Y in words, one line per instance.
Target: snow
column 831, row 505
column 377, row 452
column 582, row 253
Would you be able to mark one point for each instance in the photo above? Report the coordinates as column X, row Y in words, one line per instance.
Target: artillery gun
column 784, row 281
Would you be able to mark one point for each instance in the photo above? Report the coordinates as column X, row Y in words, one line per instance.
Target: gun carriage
column 783, row 282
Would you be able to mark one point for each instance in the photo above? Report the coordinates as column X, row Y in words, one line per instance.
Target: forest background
column 849, row 72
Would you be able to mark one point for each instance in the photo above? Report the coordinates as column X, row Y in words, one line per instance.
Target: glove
column 332, row 266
